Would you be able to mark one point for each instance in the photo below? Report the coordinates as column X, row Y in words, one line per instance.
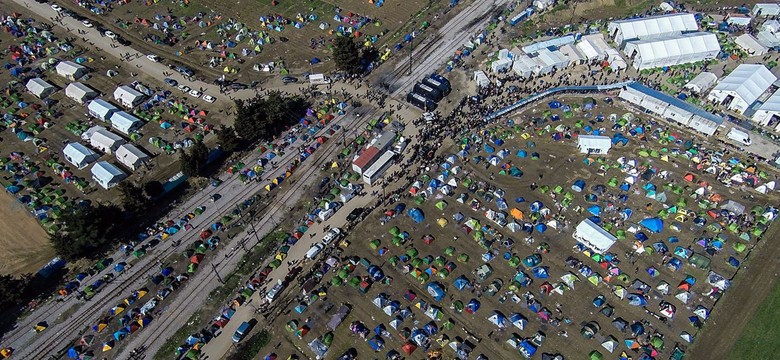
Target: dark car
column 239, row 86
column 356, row 214
column 171, row 82
column 123, row 41
column 184, row 71
column 289, row 80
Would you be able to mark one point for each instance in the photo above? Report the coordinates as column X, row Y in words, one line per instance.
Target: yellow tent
column 268, row 187
column 334, row 165
column 102, row 326
column 142, row 292
column 6, row 352
column 118, row 309
column 442, row 222
column 108, row 346
column 516, row 213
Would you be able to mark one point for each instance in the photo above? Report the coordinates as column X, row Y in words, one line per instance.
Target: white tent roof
column 101, row 108
column 654, row 25
column 79, row 155
column 594, row 141
column 594, row 236
column 702, row 82
column 571, row 52
column 766, row 9
column 772, row 104
column 751, row 45
column 105, row 140
column 69, row 69
column 552, row 58
column 127, row 96
column 125, row 122
column 675, row 50
column 106, row 174
column 39, row 87
column 80, row 92
column 131, row 156
column 748, row 81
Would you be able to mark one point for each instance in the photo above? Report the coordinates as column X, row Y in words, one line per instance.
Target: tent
column 498, row 319
column 107, row 175
column 80, row 93
column 655, row 225
column 40, row 88
column 593, row 236
column 79, row 155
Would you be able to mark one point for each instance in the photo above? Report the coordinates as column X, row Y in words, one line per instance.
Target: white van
column 318, row 79
column 274, row 292
column 333, row 234
column 739, row 136
column 314, row 251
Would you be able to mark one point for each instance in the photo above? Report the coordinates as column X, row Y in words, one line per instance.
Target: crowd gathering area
column 575, row 229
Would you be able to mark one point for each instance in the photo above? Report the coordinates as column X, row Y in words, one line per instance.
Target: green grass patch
column 761, row 337
column 221, row 294
column 249, row 349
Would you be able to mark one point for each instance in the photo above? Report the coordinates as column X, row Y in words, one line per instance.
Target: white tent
column 107, row 175
column 101, row 109
column 501, row 65
column 106, row 141
column 125, row 123
column 128, row 96
column 593, row 236
column 673, row 50
column 86, row 135
column 572, row 54
column 131, row 156
column 70, row 70
column 588, row 50
column 766, row 9
column 751, row 45
column 738, row 19
column 593, row 144
column 742, row 87
column 523, row 66
column 79, row 155
column 638, row 28
column 552, row 60
column 768, row 114
column 79, row 92
column 481, row 79
column 702, row 82
column 40, row 88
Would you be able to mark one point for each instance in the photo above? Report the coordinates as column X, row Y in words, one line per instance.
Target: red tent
column 409, row 348
column 196, row 259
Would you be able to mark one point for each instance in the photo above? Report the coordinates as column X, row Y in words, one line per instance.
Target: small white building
column 750, row 45
column 766, row 9
column 702, row 82
column 79, row 155
column 594, row 144
column 107, row 175
column 70, row 70
column 87, row 135
column 551, row 60
column 106, row 141
column 671, row 108
column 131, row 156
column 501, row 65
column 594, row 236
column 523, row 66
column 481, row 78
column 128, row 97
column 125, row 123
column 101, row 109
column 738, row 19
column 80, row 93
column 742, row 87
column 572, row 54
column 40, row 88
column 768, row 114
column 542, row 5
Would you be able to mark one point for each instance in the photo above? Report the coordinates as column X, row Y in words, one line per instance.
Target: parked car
column 153, row 57
column 87, row 23
column 242, row 330
column 209, row 98
column 171, row 82
column 289, row 80
column 56, row 7
column 110, row 35
column 314, row 251
column 184, row 88
column 332, row 234
column 194, row 93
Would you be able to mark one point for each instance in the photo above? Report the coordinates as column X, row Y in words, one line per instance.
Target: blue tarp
column 416, row 214
column 655, row 225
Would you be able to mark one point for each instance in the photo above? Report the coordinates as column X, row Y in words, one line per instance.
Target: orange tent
column 516, row 213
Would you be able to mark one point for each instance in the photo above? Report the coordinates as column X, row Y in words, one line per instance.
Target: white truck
column 740, row 136
column 318, row 79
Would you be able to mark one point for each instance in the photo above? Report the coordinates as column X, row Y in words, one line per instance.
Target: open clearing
column 25, row 245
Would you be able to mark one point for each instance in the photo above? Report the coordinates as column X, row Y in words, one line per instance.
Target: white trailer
column 318, row 79
column 739, row 136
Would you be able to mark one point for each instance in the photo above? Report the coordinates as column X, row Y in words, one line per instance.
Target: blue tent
column 541, row 228
column 655, row 225
column 436, row 291
column 13, row 189
column 641, row 236
column 578, row 185
column 522, row 154
column 376, row 273
column 595, row 210
column 554, row 104
column 636, row 300
column 431, row 328
column 489, row 149
column 461, row 283
column 473, row 306
column 376, row 343
column 541, row 272
column 314, row 60
column 527, row 349
column 625, row 186
column 119, row 267
column 416, row 214
column 536, row 206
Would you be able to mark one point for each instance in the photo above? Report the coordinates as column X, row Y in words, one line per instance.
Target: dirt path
column 750, row 288
column 25, row 244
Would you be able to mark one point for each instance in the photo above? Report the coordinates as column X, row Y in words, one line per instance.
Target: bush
column 251, row 347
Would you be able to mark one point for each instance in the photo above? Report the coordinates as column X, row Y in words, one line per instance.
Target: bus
column 428, row 92
column 443, row 87
column 420, row 101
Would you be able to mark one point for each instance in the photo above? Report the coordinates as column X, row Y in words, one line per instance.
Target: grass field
column 759, row 340
column 26, row 246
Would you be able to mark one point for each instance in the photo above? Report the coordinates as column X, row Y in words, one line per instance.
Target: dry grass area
column 25, row 245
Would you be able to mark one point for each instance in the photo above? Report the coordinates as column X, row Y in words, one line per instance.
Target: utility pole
column 411, row 50
column 214, row 267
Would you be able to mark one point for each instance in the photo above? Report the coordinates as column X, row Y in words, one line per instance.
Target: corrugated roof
column 748, row 81
column 655, row 25
column 368, row 155
column 676, row 102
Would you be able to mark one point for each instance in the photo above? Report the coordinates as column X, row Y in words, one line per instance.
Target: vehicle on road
column 171, row 82
column 331, row 235
column 209, row 98
column 56, row 7
column 242, row 330
column 314, row 251
column 184, row 71
column 123, row 41
column 239, row 86
column 274, row 292
column 215, row 182
column 110, row 35
column 355, row 214
column 184, row 88
column 153, row 58
column 739, row 136
column 87, row 23
column 194, row 93
column 215, row 197
column 289, row 80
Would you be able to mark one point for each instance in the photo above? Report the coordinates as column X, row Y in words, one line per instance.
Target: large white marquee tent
column 624, row 30
column 742, row 87
column 675, row 50
column 768, row 114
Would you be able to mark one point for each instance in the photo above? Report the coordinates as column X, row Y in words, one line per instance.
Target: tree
column 12, row 289
column 86, row 230
column 263, row 118
column 346, row 54
column 153, row 189
column 227, row 139
column 133, row 198
column 194, row 163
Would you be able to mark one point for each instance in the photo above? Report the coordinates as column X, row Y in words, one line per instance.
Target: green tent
column 449, row 251
column 595, row 355
column 441, row 205
column 395, row 230
column 374, row 244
